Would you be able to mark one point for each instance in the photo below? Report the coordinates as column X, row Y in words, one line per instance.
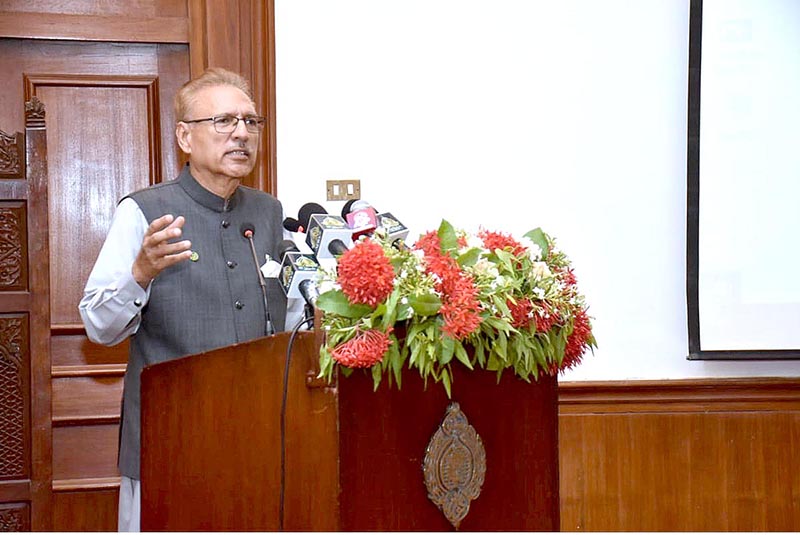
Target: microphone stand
column 269, row 328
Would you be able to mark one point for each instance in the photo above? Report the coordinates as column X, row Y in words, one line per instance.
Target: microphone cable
column 295, row 330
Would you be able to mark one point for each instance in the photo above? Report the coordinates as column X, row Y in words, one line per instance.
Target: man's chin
column 240, row 170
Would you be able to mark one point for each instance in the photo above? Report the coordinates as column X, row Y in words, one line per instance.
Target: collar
column 202, row 196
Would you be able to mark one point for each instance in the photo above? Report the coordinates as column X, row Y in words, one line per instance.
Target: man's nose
column 240, row 130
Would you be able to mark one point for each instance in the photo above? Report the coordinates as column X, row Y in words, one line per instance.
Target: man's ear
column 184, row 136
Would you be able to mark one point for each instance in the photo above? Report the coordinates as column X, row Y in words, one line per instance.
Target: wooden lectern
column 355, row 459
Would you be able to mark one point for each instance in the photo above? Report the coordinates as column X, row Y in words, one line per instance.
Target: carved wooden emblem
column 34, row 113
column 454, row 466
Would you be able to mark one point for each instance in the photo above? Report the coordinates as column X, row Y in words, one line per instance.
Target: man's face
column 212, row 155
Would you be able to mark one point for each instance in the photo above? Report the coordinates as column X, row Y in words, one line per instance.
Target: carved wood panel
column 13, row 246
column 15, row 517
column 14, row 386
column 11, row 155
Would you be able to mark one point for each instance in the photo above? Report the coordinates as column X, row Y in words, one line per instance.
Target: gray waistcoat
column 215, row 301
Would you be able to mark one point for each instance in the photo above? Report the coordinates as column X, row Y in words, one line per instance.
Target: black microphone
column 306, row 211
column 324, row 228
column 337, row 247
column 396, row 232
column 248, row 230
column 362, row 219
column 292, row 225
column 297, row 272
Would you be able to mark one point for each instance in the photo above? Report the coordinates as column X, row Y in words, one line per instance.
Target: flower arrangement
column 487, row 300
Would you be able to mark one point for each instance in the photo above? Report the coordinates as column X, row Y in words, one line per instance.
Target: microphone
column 361, row 218
column 297, row 272
column 248, row 230
column 306, row 211
column 396, row 232
column 327, row 235
column 292, row 225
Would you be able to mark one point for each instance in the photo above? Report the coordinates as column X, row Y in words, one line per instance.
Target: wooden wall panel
column 84, row 399
column 88, row 115
column 86, row 511
column 70, row 351
column 700, row 455
column 84, row 452
column 151, row 21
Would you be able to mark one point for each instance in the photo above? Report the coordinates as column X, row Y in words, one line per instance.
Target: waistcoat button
column 239, row 305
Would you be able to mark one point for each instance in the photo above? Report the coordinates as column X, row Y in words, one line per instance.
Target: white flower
column 541, row 271
column 538, row 292
column 404, row 300
column 534, row 250
column 484, row 267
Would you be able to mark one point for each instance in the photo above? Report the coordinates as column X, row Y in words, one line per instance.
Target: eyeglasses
column 225, row 124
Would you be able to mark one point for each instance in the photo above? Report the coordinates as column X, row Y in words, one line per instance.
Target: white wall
column 512, row 114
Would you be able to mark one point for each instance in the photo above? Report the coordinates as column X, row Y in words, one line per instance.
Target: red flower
column 363, row 351
column 460, row 306
column 577, row 342
column 545, row 317
column 521, row 312
column 497, row 240
column 569, row 277
column 366, row 274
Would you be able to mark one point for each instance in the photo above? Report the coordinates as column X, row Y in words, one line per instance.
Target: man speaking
column 175, row 273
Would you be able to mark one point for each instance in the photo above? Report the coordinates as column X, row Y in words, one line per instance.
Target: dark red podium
column 355, row 459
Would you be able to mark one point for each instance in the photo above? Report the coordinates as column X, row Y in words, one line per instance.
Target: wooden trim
column 91, row 370
column 88, row 483
column 15, row 491
column 63, row 26
column 686, row 395
column 39, row 286
column 12, row 188
column 66, row 329
column 263, row 69
column 15, row 302
column 198, row 38
column 92, row 419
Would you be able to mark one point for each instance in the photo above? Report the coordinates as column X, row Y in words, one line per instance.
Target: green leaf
column 391, row 310
column 404, row 312
column 335, row 302
column 461, row 355
column 425, row 305
column 538, row 237
column 446, row 382
column 447, row 237
column 448, row 347
column 469, row 257
column 376, row 376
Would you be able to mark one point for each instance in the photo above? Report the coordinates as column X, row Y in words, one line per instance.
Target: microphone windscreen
column 291, row 224
column 347, row 207
column 245, row 227
column 286, row 246
column 306, row 211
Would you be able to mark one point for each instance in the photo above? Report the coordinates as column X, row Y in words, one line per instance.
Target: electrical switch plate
column 343, row 190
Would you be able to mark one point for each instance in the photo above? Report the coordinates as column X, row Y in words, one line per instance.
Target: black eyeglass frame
column 254, row 127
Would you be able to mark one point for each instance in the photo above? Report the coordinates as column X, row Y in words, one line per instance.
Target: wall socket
column 343, row 190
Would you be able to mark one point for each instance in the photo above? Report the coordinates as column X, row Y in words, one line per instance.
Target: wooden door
column 108, row 134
